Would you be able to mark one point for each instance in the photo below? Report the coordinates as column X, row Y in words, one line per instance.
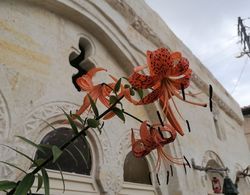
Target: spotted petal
column 140, row 81
column 151, row 97
column 159, row 62
column 180, row 68
column 184, row 81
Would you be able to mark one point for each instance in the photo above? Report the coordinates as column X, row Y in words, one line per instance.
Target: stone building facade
column 36, row 40
column 246, row 114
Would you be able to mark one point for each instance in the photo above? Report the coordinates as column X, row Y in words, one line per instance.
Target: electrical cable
column 231, row 41
column 240, row 75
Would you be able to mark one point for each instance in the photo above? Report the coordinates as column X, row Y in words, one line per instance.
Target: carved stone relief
column 45, row 112
column 4, row 117
column 34, row 122
column 110, row 172
column 7, row 155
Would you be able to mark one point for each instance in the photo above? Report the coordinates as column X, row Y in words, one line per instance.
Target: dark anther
column 157, row 177
column 188, row 125
column 187, row 161
column 210, row 97
column 160, row 133
column 160, row 119
column 183, row 92
column 171, row 170
column 167, row 177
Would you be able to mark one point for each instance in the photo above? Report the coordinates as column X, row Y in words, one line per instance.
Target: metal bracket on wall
column 208, row 169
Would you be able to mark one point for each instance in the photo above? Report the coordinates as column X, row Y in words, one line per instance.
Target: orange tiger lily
column 169, row 73
column 99, row 91
column 152, row 139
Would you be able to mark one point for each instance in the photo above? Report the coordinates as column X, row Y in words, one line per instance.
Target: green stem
column 76, row 136
column 134, row 117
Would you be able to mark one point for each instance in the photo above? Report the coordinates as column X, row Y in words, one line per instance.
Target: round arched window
column 75, row 159
column 136, row 170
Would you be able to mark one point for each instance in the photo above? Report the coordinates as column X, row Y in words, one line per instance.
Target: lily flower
column 99, row 91
column 169, row 74
column 151, row 139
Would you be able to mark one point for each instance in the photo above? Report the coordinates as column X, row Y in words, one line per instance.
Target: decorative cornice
column 136, row 21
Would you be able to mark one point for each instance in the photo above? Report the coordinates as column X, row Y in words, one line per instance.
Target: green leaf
column 79, row 119
column 100, row 127
column 126, row 86
column 71, row 154
column 112, row 99
column 131, row 92
column 31, row 143
column 48, row 123
column 37, row 162
column 117, row 85
column 92, row 123
column 71, row 122
column 140, row 93
column 45, row 146
column 125, row 78
column 119, row 113
column 12, row 165
column 6, row 185
column 25, row 185
column 81, row 154
column 61, row 176
column 93, row 106
column 19, row 152
column 57, row 152
column 39, row 182
column 45, row 181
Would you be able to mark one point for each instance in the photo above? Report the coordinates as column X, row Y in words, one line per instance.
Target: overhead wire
column 240, row 75
column 228, row 46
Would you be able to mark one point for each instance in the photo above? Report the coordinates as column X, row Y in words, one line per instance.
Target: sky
column 209, row 29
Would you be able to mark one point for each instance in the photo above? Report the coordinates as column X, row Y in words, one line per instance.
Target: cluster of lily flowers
column 169, row 75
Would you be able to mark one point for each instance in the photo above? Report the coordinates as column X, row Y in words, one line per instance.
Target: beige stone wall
column 36, row 40
column 247, row 128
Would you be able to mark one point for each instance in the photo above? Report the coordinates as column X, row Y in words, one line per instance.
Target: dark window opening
column 79, row 59
column 136, row 170
column 75, row 159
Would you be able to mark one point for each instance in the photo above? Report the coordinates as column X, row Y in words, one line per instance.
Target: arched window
column 75, row 159
column 136, row 170
column 80, row 59
column 214, row 175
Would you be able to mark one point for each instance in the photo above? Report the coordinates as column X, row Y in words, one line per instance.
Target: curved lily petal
column 85, row 83
column 140, row 81
column 93, row 71
column 151, row 97
column 180, row 68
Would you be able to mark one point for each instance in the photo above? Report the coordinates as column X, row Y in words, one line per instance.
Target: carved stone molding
column 110, row 172
column 136, row 22
column 210, row 155
column 4, row 117
column 44, row 112
column 7, row 155
column 34, row 122
column 111, row 177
